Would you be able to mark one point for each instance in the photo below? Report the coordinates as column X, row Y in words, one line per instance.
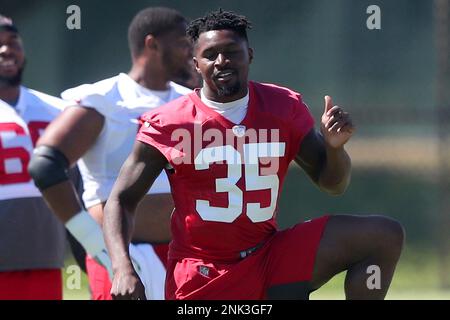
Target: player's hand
column 126, row 285
column 336, row 125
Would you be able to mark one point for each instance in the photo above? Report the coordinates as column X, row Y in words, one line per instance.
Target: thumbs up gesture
column 336, row 125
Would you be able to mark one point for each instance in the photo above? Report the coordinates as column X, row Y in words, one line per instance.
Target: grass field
column 416, row 278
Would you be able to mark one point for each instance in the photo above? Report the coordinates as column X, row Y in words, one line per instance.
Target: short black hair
column 6, row 24
column 219, row 20
column 153, row 20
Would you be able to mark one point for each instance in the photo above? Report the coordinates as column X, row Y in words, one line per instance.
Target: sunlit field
column 416, row 278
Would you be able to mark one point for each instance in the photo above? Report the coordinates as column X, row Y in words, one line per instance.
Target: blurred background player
column 32, row 239
column 99, row 130
column 226, row 242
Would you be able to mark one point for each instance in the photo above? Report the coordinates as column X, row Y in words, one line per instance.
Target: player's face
column 223, row 57
column 12, row 58
column 176, row 51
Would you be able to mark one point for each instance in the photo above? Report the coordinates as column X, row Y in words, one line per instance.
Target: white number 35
column 253, row 181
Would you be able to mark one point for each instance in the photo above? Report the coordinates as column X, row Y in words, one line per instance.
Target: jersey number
column 253, row 181
column 11, row 156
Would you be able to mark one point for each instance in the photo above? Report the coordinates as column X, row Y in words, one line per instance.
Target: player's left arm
column 322, row 154
column 136, row 177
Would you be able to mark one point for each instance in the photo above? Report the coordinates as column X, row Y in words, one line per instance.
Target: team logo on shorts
column 239, row 131
column 204, row 270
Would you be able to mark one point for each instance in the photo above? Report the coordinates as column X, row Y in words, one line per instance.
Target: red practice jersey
column 225, row 178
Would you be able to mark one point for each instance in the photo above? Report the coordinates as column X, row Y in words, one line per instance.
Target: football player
column 32, row 240
column 229, row 145
column 98, row 131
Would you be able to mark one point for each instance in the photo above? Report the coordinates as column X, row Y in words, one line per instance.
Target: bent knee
column 390, row 232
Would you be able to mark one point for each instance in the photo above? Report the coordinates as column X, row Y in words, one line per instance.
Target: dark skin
column 77, row 128
column 223, row 64
column 12, row 60
column 349, row 243
column 144, row 162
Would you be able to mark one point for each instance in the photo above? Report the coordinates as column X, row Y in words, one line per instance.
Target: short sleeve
column 152, row 131
column 88, row 95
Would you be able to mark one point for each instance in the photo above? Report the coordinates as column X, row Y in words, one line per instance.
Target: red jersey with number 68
column 226, row 178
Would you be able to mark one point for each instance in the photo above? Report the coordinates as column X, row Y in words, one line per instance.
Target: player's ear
column 250, row 55
column 196, row 65
column 150, row 42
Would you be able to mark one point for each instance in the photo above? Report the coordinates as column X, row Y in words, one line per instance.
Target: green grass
column 334, row 290
column 416, row 278
column 75, row 286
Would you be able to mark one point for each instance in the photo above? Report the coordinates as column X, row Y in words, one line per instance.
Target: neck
column 10, row 94
column 214, row 96
column 148, row 75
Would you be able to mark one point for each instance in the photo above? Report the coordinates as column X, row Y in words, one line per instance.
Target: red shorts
column 287, row 257
column 43, row 284
column 98, row 276
column 99, row 281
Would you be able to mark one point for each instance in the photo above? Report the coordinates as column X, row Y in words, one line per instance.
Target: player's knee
column 391, row 233
column 48, row 167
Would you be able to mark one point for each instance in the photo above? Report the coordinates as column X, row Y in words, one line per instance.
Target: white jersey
column 31, row 237
column 20, row 127
column 121, row 101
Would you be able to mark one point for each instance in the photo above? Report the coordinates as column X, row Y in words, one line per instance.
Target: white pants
column 150, row 269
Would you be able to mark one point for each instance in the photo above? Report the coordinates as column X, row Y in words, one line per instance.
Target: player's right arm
column 69, row 136
column 64, row 141
column 136, row 177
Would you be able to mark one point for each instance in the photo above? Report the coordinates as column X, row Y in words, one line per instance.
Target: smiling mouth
column 224, row 75
column 7, row 63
